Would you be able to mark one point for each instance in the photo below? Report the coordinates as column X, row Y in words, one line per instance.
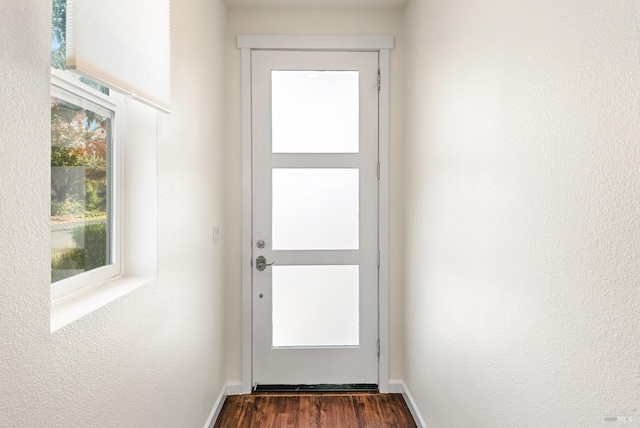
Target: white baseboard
column 398, row 387
column 229, row 388
column 234, row 388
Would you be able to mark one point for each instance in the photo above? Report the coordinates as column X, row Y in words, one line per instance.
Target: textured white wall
column 154, row 357
column 308, row 22
column 522, row 221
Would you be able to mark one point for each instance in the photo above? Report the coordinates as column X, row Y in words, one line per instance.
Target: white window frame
column 66, row 86
column 383, row 45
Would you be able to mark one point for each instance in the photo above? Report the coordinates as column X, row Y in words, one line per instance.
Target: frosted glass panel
column 315, row 111
column 315, row 306
column 315, row 209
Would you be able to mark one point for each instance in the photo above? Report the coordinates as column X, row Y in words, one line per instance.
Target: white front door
column 315, row 217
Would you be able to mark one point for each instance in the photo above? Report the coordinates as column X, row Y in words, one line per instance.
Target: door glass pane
column 315, row 306
column 80, row 189
column 315, row 111
column 315, row 209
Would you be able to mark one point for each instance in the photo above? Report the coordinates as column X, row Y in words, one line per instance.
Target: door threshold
column 322, row 387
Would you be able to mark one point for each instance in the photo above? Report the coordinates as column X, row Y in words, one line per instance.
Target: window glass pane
column 315, row 111
column 315, row 306
column 315, row 209
column 58, row 34
column 80, row 189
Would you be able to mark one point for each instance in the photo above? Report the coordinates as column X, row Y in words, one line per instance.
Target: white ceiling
column 317, row 4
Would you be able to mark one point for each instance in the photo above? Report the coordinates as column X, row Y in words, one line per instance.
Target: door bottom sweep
column 322, row 387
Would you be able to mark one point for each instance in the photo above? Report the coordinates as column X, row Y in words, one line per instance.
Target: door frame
column 382, row 45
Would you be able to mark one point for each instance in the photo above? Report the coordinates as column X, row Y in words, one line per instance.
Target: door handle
column 261, row 263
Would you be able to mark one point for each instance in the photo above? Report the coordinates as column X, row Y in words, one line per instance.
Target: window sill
column 74, row 309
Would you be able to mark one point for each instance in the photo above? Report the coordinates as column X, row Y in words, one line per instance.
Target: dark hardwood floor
column 307, row 410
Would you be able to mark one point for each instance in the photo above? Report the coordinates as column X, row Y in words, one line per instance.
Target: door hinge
column 378, row 169
column 378, row 79
column 378, row 347
column 378, row 258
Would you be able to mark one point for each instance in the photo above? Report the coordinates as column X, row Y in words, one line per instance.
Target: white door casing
column 355, row 359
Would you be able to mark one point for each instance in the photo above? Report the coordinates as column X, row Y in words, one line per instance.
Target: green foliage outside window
column 91, row 252
column 93, row 236
column 58, row 38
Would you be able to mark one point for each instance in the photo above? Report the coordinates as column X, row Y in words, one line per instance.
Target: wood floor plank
column 315, row 410
column 309, row 412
